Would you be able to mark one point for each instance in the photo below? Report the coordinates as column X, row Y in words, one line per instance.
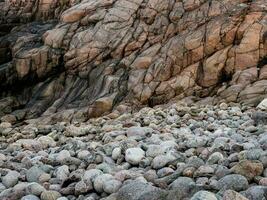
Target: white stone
column 161, row 161
column 90, row 175
column 116, row 153
column 134, row 155
column 100, row 180
column 30, row 197
column 83, row 154
column 263, row 105
column 62, row 172
column 46, row 141
column 63, row 155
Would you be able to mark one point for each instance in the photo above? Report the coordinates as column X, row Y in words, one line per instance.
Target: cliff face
column 85, row 58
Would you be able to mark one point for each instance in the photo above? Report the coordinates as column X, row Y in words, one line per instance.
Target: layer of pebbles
column 197, row 152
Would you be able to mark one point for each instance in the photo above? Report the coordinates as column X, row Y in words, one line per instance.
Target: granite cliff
column 82, row 59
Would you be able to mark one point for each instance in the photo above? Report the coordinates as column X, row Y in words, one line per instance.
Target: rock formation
column 87, row 57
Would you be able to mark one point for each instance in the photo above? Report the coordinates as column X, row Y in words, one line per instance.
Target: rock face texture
column 86, row 57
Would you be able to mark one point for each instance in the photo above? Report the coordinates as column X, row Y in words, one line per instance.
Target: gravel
column 178, row 152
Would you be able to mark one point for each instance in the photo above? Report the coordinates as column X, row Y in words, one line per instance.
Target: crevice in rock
column 224, row 77
column 262, row 62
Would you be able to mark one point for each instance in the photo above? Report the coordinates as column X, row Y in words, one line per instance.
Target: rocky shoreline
column 197, row 152
column 74, row 75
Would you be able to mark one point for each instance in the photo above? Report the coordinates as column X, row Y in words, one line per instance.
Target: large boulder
column 97, row 54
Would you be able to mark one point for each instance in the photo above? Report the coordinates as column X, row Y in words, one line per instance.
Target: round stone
column 233, row 195
column 81, row 188
column 35, row 189
column 183, row 185
column 116, row 153
column 44, row 178
column 50, row 195
column 248, row 168
column 204, row 195
column 63, row 155
column 2, row 157
column 195, row 162
column 2, row 187
column 84, row 154
column 62, row 172
column 150, row 175
column 202, row 181
column 154, row 150
column 46, row 141
column 252, row 154
column 189, row 171
column 34, row 173
column 251, row 129
column 65, row 198
column 203, row 171
column 197, row 141
column 139, row 132
column 256, row 193
column 223, row 106
column 100, row 180
column 263, row 182
column 111, row 186
column 11, row 179
column 30, row 197
column 5, row 125
column 215, row 157
column 222, row 171
column 134, row 190
column 134, row 155
column 90, row 175
column 165, row 172
column 234, row 182
column 161, row 161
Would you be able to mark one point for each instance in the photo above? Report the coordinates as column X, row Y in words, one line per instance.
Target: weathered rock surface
column 73, row 60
